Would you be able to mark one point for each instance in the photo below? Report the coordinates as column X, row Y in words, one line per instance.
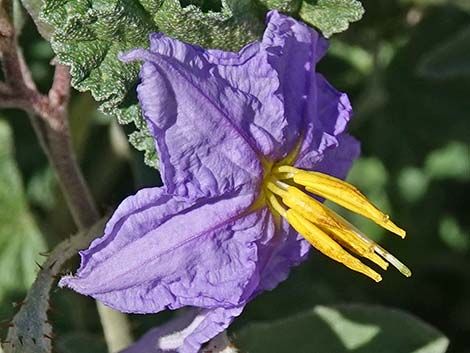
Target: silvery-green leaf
column 343, row 329
column 331, row 16
column 20, row 238
column 88, row 35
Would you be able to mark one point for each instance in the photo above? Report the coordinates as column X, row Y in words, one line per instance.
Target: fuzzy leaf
column 20, row 238
column 230, row 29
column 89, row 34
column 331, row 16
column 343, row 329
column 288, row 6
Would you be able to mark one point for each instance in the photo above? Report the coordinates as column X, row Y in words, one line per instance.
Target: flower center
column 287, row 191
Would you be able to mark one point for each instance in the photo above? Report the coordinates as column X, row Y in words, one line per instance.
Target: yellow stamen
column 274, row 203
column 331, row 223
column 340, row 192
column 327, row 231
column 277, row 187
column 321, row 241
column 292, row 156
column 400, row 266
column 377, row 248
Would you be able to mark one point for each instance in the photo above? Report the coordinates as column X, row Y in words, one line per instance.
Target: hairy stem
column 30, row 330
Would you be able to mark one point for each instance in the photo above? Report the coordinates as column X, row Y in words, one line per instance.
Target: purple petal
column 331, row 112
column 278, row 72
column 337, row 161
column 214, row 113
column 186, row 333
column 285, row 250
column 192, row 114
column 293, row 50
column 162, row 251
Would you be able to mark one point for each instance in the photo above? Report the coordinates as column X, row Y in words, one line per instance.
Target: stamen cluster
column 288, row 193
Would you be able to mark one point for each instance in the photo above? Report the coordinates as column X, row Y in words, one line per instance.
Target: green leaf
column 33, row 7
column 289, row 6
column 342, row 329
column 89, row 34
column 448, row 60
column 20, row 239
column 331, row 16
column 230, row 29
column 449, row 162
column 453, row 234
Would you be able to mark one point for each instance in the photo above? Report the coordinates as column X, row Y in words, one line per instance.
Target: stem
column 49, row 117
column 114, row 324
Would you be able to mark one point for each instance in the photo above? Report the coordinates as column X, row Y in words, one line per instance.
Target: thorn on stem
column 7, row 324
column 52, row 264
column 18, row 303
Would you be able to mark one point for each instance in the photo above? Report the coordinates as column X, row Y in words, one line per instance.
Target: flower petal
column 286, row 249
column 278, row 72
column 337, row 161
column 330, row 111
column 192, row 115
column 185, row 333
column 163, row 251
column 257, row 95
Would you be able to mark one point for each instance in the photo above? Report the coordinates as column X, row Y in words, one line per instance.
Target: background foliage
column 406, row 66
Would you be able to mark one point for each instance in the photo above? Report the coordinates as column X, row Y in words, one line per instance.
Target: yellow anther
column 321, row 241
column 342, row 193
column 338, row 228
column 393, row 260
column 323, row 228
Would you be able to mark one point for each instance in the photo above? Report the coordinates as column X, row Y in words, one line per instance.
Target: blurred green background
column 406, row 66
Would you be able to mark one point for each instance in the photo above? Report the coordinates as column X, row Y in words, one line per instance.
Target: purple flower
column 236, row 134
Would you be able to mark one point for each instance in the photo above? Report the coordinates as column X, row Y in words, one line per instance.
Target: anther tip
column 398, row 231
column 405, row 271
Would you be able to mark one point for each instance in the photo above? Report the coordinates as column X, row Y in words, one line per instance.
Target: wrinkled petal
column 185, row 333
column 293, row 50
column 332, row 111
column 254, row 99
column 338, row 160
column 192, row 114
column 279, row 75
column 286, row 249
column 166, row 252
